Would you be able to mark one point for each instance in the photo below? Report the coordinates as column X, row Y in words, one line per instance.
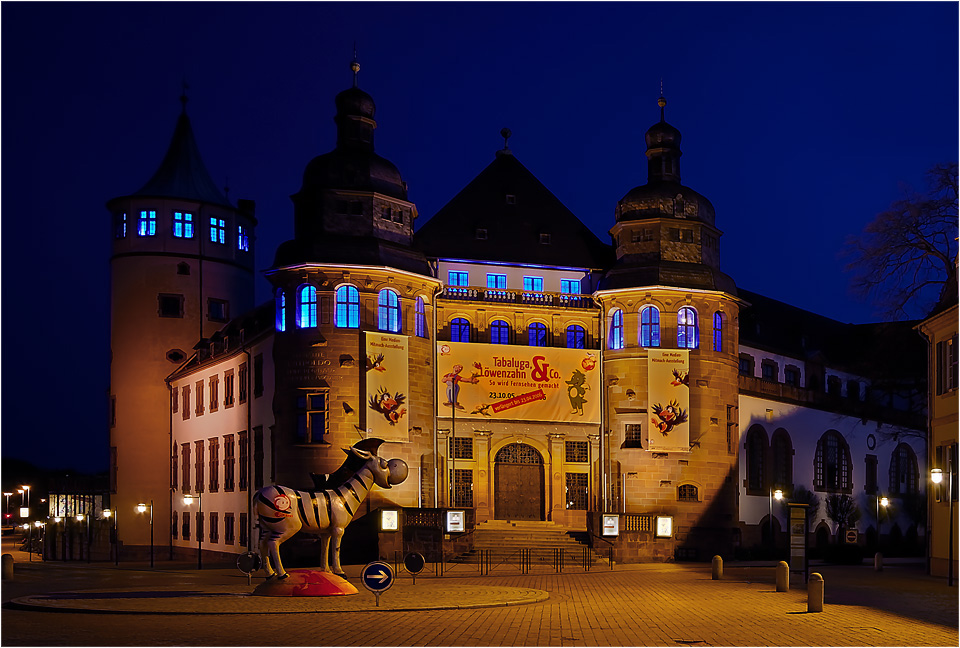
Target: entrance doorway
column 518, row 477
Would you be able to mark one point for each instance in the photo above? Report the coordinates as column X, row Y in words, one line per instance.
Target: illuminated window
column 183, row 225
column 458, row 278
column 147, row 223
column 570, row 286
column 650, row 327
column 576, row 452
column 348, row 307
column 312, row 418
column 218, row 230
column 306, row 306
column 575, row 336
column 281, row 307
column 499, row 332
column 120, row 225
column 717, row 331
column 497, row 281
column 533, row 284
column 616, row 329
column 576, row 491
column 388, row 311
column 537, row 334
column 420, row 318
column 687, row 334
column 459, row 330
column 243, row 239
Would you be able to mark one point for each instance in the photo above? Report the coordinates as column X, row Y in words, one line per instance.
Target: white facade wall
column 477, row 275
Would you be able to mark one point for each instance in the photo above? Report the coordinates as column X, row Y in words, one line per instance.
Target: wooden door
column 519, row 483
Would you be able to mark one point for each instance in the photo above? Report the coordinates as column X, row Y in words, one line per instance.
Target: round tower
column 181, row 267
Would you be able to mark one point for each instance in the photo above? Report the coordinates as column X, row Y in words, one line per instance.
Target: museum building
column 523, row 369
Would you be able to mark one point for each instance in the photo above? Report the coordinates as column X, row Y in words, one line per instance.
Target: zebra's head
column 385, row 473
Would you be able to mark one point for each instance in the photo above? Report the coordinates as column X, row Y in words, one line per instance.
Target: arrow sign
column 377, row 577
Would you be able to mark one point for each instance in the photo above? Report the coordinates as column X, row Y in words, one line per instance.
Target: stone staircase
column 504, row 539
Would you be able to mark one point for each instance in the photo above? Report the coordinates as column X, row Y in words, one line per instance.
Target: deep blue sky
column 800, row 122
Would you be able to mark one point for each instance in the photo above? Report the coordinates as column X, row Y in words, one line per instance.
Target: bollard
column 717, row 572
column 783, row 577
column 878, row 561
column 7, row 561
column 815, row 593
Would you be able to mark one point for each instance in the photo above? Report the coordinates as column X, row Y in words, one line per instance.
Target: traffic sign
column 851, row 536
column 377, row 577
column 414, row 562
column 249, row 562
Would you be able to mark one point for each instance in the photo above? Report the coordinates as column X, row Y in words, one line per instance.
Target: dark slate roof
column 631, row 271
column 352, row 250
column 513, row 230
column 182, row 173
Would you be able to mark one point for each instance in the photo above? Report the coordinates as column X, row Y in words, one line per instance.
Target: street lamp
column 778, row 495
column 41, row 535
column 7, row 495
column 884, row 502
column 188, row 501
column 936, row 476
column 142, row 508
column 107, row 513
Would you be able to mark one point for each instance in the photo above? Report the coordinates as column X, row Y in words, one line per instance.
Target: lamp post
column 881, row 501
column 7, row 511
column 26, row 489
column 41, row 535
column 142, row 508
column 115, row 541
column 80, row 518
column 188, row 501
column 936, row 476
column 774, row 495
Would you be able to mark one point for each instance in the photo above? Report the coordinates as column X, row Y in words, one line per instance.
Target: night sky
column 800, row 122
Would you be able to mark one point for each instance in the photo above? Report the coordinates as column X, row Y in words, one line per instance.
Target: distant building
column 522, row 368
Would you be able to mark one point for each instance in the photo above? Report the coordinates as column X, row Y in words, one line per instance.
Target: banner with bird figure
column 668, row 381
column 388, row 386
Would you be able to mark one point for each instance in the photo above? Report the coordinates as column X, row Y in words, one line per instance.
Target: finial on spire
column 355, row 65
column 183, row 95
column 505, row 133
column 661, row 101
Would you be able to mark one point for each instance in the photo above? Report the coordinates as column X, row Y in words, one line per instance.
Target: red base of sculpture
column 306, row 582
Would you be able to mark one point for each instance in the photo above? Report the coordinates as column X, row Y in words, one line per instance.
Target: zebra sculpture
column 282, row 511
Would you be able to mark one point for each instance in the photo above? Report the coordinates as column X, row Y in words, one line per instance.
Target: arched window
column 717, row 331
column 459, row 330
column 756, row 448
column 650, row 327
column 782, row 459
column 831, row 465
column 538, row 334
column 903, row 470
column 687, row 336
column 348, row 307
column 576, row 336
column 388, row 311
column 688, row 493
column 281, row 308
column 419, row 318
column 499, row 332
column 306, row 306
column 616, row 329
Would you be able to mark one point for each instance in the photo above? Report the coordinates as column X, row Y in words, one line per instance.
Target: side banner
column 388, row 386
column 500, row 382
column 668, row 399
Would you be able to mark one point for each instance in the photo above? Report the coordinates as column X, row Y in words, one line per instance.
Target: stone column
column 483, row 487
column 556, row 489
column 443, row 448
column 595, row 492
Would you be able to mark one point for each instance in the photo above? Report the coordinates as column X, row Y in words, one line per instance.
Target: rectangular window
column 387, row 213
column 576, row 497
column 198, row 465
column 242, row 382
column 229, row 462
column 214, row 465
column 632, row 435
column 174, row 467
column 462, row 487
column 218, row 310
column 462, row 448
column 214, row 393
column 185, row 528
column 946, row 365
column 120, row 225
column 243, row 441
column 228, row 529
column 257, row 375
column 243, row 239
column 228, row 388
column 147, row 223
column 186, row 402
column 746, row 365
column 312, row 417
column 185, row 467
column 183, row 225
column 791, row 376
column 768, row 370
column 497, row 281
column 533, row 284
column 570, row 286
column 174, row 401
column 169, row 305
column 218, row 230
column 243, row 530
column 458, row 278
column 214, row 528
column 576, row 451
column 200, row 404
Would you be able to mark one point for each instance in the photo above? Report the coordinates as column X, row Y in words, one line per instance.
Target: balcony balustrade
column 522, row 297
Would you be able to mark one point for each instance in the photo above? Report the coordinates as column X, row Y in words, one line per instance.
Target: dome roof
column 665, row 199
column 662, row 135
column 354, row 101
column 351, row 169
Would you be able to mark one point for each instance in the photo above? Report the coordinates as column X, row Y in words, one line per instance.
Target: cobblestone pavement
column 633, row 605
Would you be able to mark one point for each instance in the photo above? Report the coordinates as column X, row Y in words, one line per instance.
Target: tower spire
column 355, row 65
column 661, row 101
column 183, row 95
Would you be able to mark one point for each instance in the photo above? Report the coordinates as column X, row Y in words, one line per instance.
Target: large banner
column 502, row 382
column 668, row 398
column 388, row 386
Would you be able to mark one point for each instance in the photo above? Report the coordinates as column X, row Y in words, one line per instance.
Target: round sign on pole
column 414, row 562
column 249, row 562
column 851, row 536
column 377, row 577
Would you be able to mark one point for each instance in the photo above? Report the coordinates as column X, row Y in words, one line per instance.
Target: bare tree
column 907, row 255
column 843, row 510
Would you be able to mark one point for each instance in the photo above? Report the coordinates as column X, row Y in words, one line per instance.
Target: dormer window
column 481, row 234
column 397, row 215
column 511, row 199
column 243, row 239
column 387, row 214
column 544, row 239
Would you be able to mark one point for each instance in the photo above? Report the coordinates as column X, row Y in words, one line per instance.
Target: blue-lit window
column 498, row 281
column 419, row 318
column 616, row 329
column 650, row 327
column 459, row 330
column 281, row 308
column 218, row 230
column 348, row 307
column 183, row 225
column 306, row 306
column 575, row 336
column 243, row 239
column 717, row 331
column 538, row 334
column 533, row 284
column 499, row 332
column 121, row 225
column 147, row 224
column 570, row 286
column 458, row 278
column 388, row 311
column 687, row 336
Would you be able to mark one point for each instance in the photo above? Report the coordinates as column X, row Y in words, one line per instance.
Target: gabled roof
column 513, row 228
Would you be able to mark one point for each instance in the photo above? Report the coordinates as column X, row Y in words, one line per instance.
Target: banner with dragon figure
column 500, row 382
column 668, row 380
column 388, row 386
